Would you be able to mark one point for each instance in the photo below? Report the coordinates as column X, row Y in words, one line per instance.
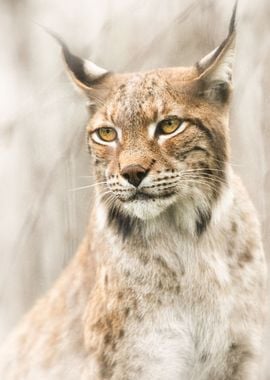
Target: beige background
column 43, row 155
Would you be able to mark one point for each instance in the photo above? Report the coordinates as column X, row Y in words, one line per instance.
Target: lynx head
column 159, row 137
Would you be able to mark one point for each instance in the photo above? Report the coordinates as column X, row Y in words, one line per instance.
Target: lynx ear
column 215, row 69
column 87, row 76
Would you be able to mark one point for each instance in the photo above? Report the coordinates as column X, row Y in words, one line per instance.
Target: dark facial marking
column 215, row 139
column 201, row 126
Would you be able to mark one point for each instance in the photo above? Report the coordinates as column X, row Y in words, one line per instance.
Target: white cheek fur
column 98, row 140
column 151, row 130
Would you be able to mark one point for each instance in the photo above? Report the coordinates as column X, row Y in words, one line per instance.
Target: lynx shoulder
column 169, row 282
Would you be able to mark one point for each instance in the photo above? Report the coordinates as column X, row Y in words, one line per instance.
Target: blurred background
column 43, row 154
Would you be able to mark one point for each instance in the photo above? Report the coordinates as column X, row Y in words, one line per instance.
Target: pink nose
column 134, row 174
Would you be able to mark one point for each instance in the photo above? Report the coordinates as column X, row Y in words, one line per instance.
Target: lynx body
column 169, row 282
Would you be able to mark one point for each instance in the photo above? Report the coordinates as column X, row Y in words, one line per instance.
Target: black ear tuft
column 74, row 63
column 232, row 28
column 215, row 69
column 84, row 72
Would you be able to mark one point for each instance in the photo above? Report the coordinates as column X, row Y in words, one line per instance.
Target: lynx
column 170, row 280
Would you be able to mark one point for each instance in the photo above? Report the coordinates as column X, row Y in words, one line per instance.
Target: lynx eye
column 169, row 126
column 106, row 134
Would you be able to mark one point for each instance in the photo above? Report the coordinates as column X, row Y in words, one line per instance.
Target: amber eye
column 168, row 126
column 107, row 134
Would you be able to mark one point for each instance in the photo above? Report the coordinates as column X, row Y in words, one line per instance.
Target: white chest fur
column 175, row 344
column 185, row 335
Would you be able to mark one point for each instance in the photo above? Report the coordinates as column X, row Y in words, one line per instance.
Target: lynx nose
column 134, row 174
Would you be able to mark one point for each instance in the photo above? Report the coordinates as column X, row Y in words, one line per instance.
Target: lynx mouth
column 142, row 196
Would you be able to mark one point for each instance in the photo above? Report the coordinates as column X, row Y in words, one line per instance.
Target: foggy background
column 43, row 155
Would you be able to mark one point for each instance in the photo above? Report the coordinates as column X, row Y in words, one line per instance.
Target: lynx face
column 154, row 142
column 158, row 137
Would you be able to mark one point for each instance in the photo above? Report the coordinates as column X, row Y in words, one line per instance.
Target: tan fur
column 169, row 282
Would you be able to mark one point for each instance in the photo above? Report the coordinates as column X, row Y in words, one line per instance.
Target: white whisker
column 88, row 186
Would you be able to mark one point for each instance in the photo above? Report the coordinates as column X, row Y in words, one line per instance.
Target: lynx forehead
column 144, row 96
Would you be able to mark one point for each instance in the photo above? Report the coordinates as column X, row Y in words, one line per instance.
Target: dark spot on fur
column 127, row 273
column 162, row 263
column 178, row 288
column 139, row 317
column 127, row 311
column 234, row 227
column 107, row 338
column 202, row 164
column 245, row 257
column 204, row 357
column 121, row 333
column 124, row 224
column 238, row 355
column 144, row 259
column 105, row 367
column 203, row 220
column 120, row 295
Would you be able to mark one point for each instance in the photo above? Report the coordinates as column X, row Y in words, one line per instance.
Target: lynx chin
column 170, row 280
